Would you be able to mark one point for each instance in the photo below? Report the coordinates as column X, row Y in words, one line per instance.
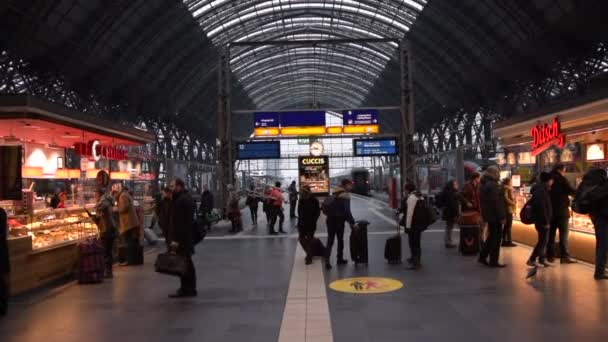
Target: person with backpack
column 337, row 209
column 493, row 212
column 560, row 201
column 412, row 225
column 592, row 198
column 507, row 196
column 309, row 211
column 451, row 210
column 293, row 199
column 181, row 237
column 104, row 219
column 543, row 214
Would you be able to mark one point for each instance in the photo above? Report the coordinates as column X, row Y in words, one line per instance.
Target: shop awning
column 33, row 119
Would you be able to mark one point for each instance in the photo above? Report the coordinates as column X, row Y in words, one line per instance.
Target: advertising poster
column 314, row 171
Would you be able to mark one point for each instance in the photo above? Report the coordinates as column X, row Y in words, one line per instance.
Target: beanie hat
column 493, row 171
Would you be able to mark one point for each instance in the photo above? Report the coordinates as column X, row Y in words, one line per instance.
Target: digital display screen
column 375, row 147
column 314, row 172
column 266, row 119
column 360, row 117
column 10, row 173
column 302, row 119
column 258, row 150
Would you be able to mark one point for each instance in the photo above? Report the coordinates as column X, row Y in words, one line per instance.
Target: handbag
column 469, row 218
column 171, row 264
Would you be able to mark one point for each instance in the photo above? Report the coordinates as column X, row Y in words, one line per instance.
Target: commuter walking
column 560, row 202
column 163, row 212
column 180, row 236
column 128, row 228
column 252, row 202
column 542, row 213
column 293, row 199
column 338, row 214
column 234, row 211
column 451, row 210
column 266, row 208
column 276, row 208
column 493, row 212
column 308, row 212
column 5, row 266
column 104, row 219
column 206, row 207
column 595, row 185
column 507, row 196
column 412, row 226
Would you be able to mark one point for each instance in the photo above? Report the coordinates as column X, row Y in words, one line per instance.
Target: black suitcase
column 469, row 240
column 358, row 243
column 392, row 250
column 318, row 248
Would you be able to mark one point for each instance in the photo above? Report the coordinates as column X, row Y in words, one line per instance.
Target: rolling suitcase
column 392, row 249
column 469, row 239
column 317, row 248
column 358, row 243
column 91, row 262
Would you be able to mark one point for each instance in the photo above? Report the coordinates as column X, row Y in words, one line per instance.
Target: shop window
column 596, row 152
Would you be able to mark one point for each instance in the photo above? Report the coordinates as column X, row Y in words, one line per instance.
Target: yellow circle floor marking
column 366, row 285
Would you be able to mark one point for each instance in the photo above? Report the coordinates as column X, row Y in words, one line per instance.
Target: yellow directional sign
column 366, row 285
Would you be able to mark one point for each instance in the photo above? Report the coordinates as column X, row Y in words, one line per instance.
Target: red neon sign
column 94, row 151
column 544, row 135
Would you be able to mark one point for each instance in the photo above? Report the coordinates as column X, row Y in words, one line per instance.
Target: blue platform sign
column 302, row 119
column 360, row 117
column 258, row 150
column 375, row 147
column 266, row 119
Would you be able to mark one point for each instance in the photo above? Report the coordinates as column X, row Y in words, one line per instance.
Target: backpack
column 526, row 215
column 424, row 215
column 328, row 204
column 581, row 204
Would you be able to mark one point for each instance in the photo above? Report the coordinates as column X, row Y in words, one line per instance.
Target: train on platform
column 359, row 177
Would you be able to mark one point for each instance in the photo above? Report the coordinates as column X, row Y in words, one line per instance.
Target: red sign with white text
column 545, row 135
column 94, row 151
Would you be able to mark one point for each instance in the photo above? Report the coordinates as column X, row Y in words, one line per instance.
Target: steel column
column 408, row 150
column 226, row 161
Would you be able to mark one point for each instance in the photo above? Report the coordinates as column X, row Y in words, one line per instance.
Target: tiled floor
column 251, row 288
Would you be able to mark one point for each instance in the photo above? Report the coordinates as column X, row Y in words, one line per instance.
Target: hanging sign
column 95, row 151
column 545, row 135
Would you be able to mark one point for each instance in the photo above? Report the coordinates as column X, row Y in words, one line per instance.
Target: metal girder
column 314, row 42
column 408, row 148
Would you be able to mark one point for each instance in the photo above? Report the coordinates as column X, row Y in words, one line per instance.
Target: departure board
column 375, row 147
column 258, row 150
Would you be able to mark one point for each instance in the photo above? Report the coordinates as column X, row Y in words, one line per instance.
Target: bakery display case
column 50, row 228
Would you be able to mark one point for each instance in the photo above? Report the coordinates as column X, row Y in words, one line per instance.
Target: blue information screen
column 305, row 118
column 375, row 147
column 266, row 119
column 258, row 150
column 360, row 117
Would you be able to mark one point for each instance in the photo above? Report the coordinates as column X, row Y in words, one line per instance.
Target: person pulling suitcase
column 337, row 209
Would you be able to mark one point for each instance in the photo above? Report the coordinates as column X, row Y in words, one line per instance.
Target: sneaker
column 327, row 266
column 308, row 261
column 545, row 264
column 414, row 267
column 601, row 276
column 183, row 294
column 272, row 233
column 282, row 231
column 483, row 261
column 508, row 244
column 342, row 262
column 568, row 260
column 551, row 259
column 124, row 263
column 531, row 263
column 498, row 265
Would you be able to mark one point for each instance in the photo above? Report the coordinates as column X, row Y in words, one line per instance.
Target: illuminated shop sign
column 545, row 135
column 314, row 172
column 313, row 161
column 95, row 151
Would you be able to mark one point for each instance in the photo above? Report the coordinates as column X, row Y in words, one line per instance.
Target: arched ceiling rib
column 309, row 74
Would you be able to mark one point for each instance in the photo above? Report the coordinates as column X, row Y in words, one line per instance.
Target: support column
column 226, row 164
column 408, row 151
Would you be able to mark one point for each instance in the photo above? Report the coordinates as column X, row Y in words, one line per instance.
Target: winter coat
column 293, row 193
column 277, row 197
column 452, row 208
column 206, row 202
column 470, row 194
column 507, row 196
column 182, row 219
column 127, row 216
column 599, row 196
column 164, row 215
column 309, row 211
column 492, row 205
column 104, row 217
column 5, row 265
column 560, row 192
column 541, row 205
column 341, row 206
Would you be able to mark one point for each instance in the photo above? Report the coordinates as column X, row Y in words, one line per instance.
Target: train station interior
column 303, row 170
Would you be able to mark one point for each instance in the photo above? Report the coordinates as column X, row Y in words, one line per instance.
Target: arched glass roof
column 284, row 76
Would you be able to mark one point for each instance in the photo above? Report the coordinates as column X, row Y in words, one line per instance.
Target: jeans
column 335, row 227
column 540, row 250
column 561, row 224
column 601, row 243
column 130, row 242
column 188, row 281
column 414, row 239
column 292, row 208
column 276, row 212
column 449, row 227
column 491, row 247
column 506, row 230
column 254, row 214
column 108, row 247
column 305, row 236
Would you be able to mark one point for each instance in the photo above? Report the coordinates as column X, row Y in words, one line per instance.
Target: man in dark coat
column 163, row 212
column 293, row 199
column 309, row 211
column 206, row 206
column 595, row 183
column 560, row 201
column 493, row 212
column 181, row 238
column 4, row 262
column 338, row 216
column 543, row 214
